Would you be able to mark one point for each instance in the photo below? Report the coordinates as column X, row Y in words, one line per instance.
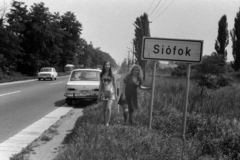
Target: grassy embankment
column 15, row 76
column 212, row 127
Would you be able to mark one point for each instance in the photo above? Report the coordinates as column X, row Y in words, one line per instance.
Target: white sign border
column 170, row 39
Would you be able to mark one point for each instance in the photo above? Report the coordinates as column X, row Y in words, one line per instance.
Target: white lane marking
column 55, row 83
column 9, row 93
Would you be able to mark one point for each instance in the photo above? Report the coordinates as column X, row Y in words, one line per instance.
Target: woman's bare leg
column 104, row 106
column 125, row 113
column 108, row 111
column 131, row 116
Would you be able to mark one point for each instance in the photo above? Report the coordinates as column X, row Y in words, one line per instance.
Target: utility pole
column 147, row 34
column 133, row 54
column 128, row 60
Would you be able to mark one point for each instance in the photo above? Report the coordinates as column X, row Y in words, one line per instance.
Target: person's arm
column 124, row 88
column 100, row 89
column 143, row 87
column 123, row 91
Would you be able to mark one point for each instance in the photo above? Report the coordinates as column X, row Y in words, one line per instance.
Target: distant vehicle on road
column 69, row 68
column 82, row 84
column 47, row 73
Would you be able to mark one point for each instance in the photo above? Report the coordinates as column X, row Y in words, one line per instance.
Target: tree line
column 36, row 38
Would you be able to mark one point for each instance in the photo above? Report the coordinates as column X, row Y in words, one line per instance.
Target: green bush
column 230, row 145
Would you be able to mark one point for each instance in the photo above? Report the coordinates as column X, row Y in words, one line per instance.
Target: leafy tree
column 222, row 39
column 180, row 70
column 124, row 65
column 9, row 45
column 9, row 50
column 92, row 57
column 209, row 71
column 39, row 34
column 88, row 56
column 3, row 10
column 142, row 29
column 71, row 28
column 17, row 19
column 55, row 42
column 38, row 38
column 235, row 35
column 82, row 43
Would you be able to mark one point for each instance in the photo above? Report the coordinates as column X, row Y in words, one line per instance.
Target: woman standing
column 107, row 91
column 129, row 99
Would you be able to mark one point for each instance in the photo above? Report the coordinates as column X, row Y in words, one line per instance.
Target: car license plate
column 85, row 91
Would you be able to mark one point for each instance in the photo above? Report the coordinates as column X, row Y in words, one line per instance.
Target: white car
column 47, row 73
column 82, row 84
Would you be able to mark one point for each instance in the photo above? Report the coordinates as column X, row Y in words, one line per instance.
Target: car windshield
column 46, row 70
column 85, row 76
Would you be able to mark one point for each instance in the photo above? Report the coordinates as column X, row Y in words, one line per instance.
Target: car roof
column 87, row 69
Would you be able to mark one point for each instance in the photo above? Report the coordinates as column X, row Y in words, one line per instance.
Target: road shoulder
column 49, row 144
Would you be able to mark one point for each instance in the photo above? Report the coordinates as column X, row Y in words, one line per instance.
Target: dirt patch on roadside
column 47, row 146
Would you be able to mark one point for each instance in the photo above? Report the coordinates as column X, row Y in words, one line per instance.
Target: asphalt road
column 23, row 103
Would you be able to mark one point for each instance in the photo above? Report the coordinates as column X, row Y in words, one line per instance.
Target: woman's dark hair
column 104, row 70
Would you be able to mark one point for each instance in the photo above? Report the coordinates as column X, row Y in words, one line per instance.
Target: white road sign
column 172, row 49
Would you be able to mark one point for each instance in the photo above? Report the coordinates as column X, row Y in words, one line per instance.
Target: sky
column 108, row 24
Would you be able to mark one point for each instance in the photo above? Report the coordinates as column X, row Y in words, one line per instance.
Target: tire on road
column 69, row 101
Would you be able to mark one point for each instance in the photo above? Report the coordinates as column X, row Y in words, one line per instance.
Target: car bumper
column 44, row 77
column 81, row 96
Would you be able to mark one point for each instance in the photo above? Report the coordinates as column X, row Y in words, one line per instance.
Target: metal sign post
column 186, row 101
column 152, row 95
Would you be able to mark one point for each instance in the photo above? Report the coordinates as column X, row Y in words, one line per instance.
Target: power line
column 159, row 8
column 150, row 5
column 155, row 7
column 163, row 10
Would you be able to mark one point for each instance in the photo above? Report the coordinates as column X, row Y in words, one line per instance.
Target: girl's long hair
column 104, row 70
column 140, row 75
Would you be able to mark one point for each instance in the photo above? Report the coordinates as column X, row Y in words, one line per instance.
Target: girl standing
column 107, row 91
column 129, row 98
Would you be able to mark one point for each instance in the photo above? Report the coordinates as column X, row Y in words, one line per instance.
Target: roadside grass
column 212, row 127
column 15, row 76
